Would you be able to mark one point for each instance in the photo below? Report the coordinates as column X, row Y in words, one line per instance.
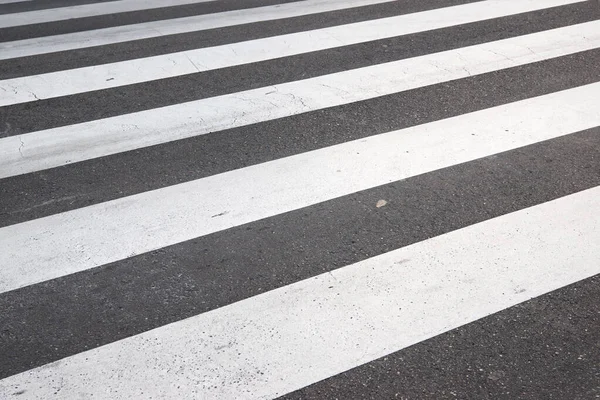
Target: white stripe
column 63, row 83
column 73, row 241
column 12, row 1
column 87, row 10
column 291, row 337
column 99, row 37
column 54, row 147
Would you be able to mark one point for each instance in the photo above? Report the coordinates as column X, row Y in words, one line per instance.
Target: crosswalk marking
column 145, row 30
column 287, row 136
column 122, row 73
column 12, row 1
column 54, row 147
column 86, row 10
column 91, row 236
column 296, row 335
column 336, row 182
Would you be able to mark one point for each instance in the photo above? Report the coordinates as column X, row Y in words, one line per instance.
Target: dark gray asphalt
column 127, row 18
column 24, row 6
column 547, row 348
column 121, row 299
column 213, row 37
column 80, row 184
column 84, row 107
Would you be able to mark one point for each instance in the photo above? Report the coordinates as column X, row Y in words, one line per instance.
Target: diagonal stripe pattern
column 433, row 169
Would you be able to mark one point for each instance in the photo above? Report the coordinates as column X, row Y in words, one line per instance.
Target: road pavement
column 312, row 199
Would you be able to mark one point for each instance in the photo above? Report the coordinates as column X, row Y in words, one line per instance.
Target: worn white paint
column 86, row 10
column 64, row 83
column 54, row 147
column 12, row 1
column 99, row 37
column 288, row 338
column 84, row 238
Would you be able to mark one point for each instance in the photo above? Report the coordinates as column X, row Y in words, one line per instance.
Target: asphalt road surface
column 300, row 199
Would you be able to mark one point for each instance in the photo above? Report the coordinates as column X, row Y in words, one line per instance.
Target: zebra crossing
column 308, row 199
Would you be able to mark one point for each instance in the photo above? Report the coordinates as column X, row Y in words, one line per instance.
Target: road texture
column 312, row 199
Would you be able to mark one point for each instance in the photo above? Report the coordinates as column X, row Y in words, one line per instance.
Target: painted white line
column 12, row 1
column 99, row 37
column 84, row 238
column 87, row 10
column 291, row 337
column 80, row 80
column 55, row 147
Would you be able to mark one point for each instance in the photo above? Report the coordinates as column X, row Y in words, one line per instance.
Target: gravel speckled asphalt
column 161, row 308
